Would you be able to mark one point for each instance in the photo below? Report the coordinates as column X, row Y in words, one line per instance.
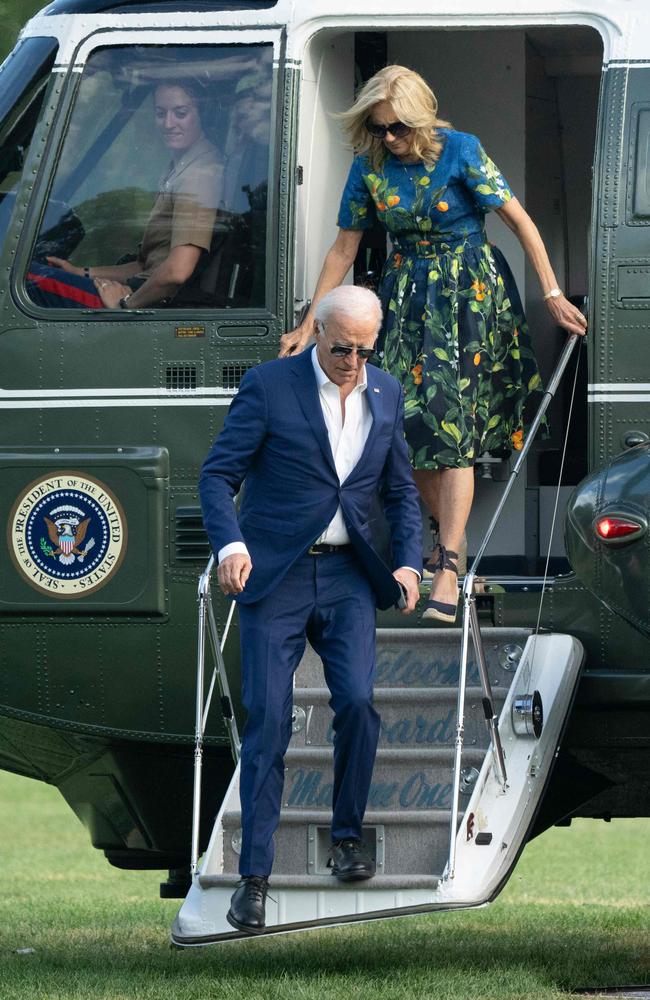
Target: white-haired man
column 315, row 438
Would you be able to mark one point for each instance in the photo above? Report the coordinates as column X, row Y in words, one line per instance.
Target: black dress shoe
column 246, row 911
column 350, row 860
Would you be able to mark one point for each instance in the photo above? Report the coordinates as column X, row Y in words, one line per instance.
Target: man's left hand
column 410, row 582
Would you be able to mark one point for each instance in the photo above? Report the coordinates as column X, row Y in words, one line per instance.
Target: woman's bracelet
column 554, row 293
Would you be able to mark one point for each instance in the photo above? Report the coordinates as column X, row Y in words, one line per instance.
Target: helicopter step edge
column 408, row 818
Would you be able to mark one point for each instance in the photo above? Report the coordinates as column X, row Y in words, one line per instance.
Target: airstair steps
column 327, row 883
column 427, row 657
column 411, row 778
column 410, row 717
column 409, row 843
column 409, row 806
column 407, row 823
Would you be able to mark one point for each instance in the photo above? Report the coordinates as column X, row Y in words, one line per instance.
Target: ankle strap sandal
column 444, row 559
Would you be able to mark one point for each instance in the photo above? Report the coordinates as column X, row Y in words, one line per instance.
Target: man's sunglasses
column 396, row 129
column 342, row 352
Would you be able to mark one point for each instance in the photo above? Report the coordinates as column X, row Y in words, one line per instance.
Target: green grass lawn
column 575, row 913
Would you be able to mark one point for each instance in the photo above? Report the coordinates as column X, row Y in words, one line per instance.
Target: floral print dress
column 454, row 331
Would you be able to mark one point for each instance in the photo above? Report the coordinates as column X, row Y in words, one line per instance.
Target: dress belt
column 432, row 247
column 322, row 549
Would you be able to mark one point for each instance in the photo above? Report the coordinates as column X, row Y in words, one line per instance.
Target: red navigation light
column 610, row 528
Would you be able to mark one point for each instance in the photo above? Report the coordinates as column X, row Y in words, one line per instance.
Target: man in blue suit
column 314, row 439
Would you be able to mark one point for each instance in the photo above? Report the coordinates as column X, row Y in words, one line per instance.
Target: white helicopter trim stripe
column 619, row 387
column 113, row 392
column 94, row 403
column 619, row 397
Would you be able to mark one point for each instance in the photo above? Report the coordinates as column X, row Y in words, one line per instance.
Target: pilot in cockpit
column 180, row 227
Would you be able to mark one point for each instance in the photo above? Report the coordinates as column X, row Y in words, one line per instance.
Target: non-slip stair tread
column 452, row 635
column 372, row 817
column 425, row 657
column 410, row 718
column 389, row 754
column 408, row 694
column 329, row 883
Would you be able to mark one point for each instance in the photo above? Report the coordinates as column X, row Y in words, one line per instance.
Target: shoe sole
column 439, row 616
column 353, row 876
column 243, row 927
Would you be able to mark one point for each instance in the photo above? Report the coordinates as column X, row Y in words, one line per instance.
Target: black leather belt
column 323, row 549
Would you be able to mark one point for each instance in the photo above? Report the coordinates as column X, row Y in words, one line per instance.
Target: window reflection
column 23, row 79
column 160, row 196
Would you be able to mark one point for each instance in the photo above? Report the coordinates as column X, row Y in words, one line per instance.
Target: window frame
column 37, row 88
column 19, row 100
column 163, row 36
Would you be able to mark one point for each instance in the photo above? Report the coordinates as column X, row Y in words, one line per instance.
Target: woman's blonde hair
column 413, row 102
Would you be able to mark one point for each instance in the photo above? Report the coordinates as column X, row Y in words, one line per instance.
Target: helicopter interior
column 531, row 95
column 113, row 157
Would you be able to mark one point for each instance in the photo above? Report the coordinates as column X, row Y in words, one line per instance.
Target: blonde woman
column 454, row 331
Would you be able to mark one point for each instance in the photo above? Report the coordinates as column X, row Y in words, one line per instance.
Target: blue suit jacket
column 275, row 441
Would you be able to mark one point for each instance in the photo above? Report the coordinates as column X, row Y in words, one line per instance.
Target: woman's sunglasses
column 396, row 129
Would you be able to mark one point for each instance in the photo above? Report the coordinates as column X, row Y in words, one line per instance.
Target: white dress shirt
column 347, row 440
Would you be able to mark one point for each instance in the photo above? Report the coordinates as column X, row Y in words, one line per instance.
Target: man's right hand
column 233, row 572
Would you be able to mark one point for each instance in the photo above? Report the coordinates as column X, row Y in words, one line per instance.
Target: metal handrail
column 220, row 677
column 470, row 623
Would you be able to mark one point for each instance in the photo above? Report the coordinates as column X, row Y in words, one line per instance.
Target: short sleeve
column 482, row 177
column 357, row 209
column 196, row 197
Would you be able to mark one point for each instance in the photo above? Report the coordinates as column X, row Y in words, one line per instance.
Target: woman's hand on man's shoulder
column 294, row 342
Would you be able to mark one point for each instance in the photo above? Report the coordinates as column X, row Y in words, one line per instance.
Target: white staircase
column 409, row 812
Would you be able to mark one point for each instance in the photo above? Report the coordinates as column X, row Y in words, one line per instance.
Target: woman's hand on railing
column 567, row 315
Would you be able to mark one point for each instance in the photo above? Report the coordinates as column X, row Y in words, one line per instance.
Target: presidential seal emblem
column 67, row 534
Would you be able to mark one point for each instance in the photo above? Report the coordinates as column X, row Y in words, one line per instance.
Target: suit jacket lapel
column 374, row 398
column 306, row 390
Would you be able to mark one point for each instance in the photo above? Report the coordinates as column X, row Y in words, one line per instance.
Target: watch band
column 554, row 293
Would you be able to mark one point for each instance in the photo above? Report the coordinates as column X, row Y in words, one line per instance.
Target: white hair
column 350, row 301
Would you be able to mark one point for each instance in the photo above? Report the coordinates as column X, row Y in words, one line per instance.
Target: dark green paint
column 617, row 572
column 100, row 701
column 113, row 681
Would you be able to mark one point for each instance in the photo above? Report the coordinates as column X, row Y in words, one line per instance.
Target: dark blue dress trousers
column 328, row 600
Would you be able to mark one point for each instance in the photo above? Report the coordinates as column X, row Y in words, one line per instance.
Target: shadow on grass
column 503, row 951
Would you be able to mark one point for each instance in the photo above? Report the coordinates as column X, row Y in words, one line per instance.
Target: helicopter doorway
column 531, row 95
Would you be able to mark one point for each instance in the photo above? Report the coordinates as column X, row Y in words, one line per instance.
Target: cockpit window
column 160, row 194
column 23, row 78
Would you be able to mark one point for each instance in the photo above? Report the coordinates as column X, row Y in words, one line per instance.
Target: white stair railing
column 207, row 623
column 470, row 623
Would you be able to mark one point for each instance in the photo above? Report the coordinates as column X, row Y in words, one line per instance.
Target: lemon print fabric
column 454, row 332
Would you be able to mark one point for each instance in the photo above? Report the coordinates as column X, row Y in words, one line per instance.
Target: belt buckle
column 312, row 551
